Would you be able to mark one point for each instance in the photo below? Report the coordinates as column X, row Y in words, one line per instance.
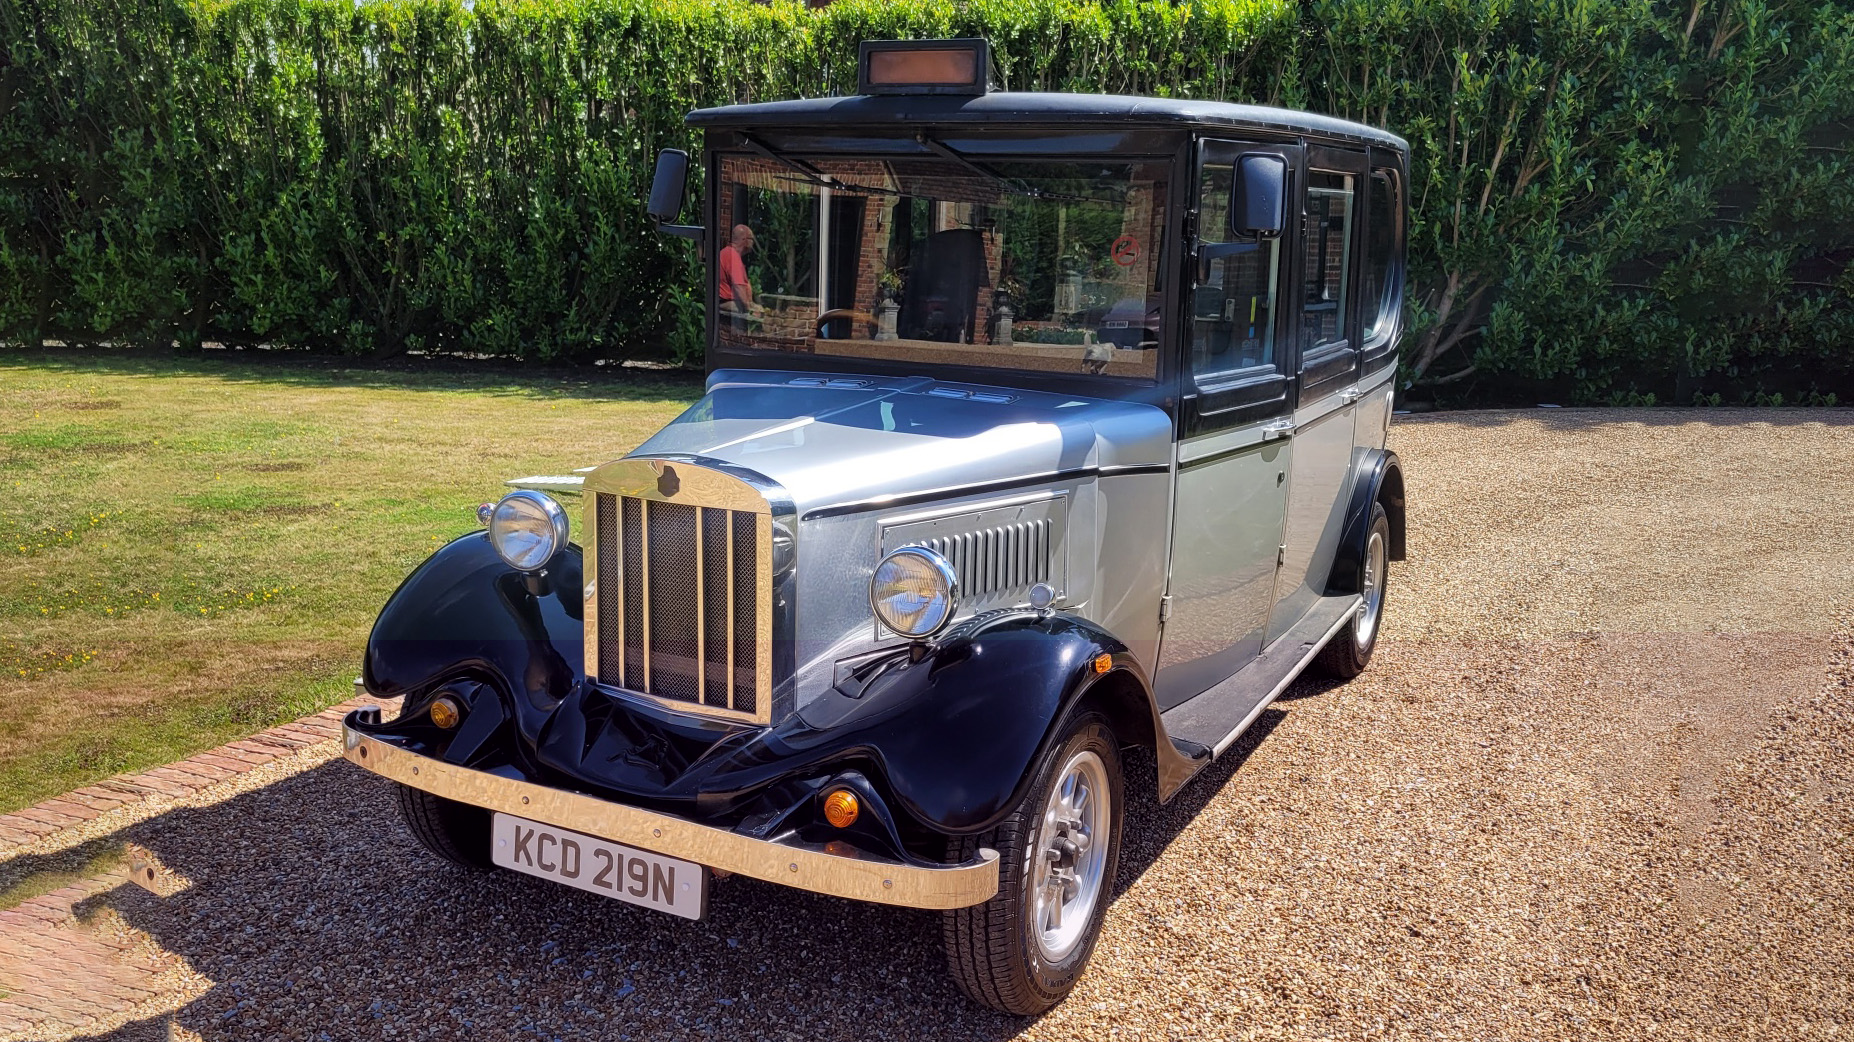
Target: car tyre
column 1005, row 953
column 1349, row 652
column 456, row 832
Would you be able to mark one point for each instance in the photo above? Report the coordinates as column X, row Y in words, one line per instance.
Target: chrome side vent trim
column 999, row 562
column 998, row 550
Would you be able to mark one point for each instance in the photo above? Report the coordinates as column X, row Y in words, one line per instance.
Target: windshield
column 1038, row 266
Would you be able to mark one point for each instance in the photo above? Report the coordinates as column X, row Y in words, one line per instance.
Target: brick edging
column 173, row 780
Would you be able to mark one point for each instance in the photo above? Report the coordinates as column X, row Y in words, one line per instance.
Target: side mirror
column 667, row 190
column 1258, row 203
column 669, row 186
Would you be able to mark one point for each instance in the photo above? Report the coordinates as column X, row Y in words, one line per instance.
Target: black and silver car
column 1038, row 428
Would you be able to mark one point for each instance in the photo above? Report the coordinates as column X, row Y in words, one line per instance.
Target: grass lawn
column 192, row 550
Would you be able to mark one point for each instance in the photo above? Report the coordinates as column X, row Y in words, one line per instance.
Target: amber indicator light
column 1103, row 662
column 444, row 713
column 840, row 808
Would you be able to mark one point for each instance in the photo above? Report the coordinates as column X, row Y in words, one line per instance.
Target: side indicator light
column 1103, row 662
column 841, row 808
column 445, row 714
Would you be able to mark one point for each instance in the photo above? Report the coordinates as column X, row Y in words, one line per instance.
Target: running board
column 1216, row 718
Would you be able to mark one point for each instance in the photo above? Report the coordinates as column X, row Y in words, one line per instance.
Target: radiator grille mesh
column 679, row 601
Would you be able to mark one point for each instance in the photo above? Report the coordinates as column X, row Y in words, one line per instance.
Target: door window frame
column 1387, row 162
column 1333, row 365
column 1219, row 401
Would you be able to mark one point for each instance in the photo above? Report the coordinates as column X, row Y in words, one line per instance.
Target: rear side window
column 1325, row 250
column 1381, row 227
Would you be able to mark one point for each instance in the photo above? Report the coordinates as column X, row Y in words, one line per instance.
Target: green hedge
column 1616, row 200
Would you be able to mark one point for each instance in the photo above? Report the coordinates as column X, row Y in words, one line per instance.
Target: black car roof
column 1033, row 108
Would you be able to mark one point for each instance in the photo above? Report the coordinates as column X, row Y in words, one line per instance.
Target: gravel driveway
column 1597, row 783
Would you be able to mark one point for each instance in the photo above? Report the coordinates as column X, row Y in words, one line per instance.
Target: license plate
column 600, row 866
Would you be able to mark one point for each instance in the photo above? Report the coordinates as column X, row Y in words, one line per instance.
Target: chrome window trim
column 971, row 508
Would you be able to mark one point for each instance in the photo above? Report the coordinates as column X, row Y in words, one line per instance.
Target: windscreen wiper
column 1011, row 185
column 807, row 173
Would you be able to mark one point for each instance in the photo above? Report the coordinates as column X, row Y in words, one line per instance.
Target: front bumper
column 804, row 866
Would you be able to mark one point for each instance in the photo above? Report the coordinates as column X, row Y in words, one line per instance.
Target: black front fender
column 957, row 732
column 465, row 612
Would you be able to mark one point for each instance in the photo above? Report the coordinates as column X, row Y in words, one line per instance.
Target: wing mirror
column 667, row 190
column 1258, row 205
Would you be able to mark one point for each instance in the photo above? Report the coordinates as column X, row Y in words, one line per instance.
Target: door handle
column 1278, row 429
column 1350, row 396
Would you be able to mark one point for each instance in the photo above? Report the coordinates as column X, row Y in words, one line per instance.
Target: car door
column 1232, row 458
column 1324, row 320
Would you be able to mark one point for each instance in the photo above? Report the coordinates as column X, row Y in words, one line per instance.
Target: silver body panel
column 1371, row 426
column 830, row 449
column 1319, row 481
column 1226, row 530
column 1255, row 531
column 870, row 464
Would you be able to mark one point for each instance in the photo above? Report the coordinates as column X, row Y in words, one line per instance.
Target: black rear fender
column 1378, row 479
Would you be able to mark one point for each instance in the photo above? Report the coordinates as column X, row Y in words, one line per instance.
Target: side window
column 1233, row 306
column 1325, row 252
column 1381, row 227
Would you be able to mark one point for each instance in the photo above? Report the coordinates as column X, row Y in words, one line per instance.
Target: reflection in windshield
column 1050, row 267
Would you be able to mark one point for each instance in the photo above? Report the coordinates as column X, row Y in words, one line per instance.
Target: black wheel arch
column 960, row 732
column 1378, row 478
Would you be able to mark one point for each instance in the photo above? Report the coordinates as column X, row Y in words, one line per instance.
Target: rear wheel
column 1059, row 849
column 456, row 832
column 1349, row 652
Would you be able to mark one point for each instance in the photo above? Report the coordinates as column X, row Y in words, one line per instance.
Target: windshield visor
column 1034, row 266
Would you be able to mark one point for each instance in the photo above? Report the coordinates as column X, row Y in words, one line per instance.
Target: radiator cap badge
column 668, row 483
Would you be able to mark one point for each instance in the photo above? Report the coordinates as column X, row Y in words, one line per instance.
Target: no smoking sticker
column 1125, row 251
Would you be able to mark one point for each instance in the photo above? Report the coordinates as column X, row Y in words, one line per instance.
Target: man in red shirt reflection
column 735, row 291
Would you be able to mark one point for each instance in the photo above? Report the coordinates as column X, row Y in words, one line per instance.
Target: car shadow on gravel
column 1152, row 826
column 312, row 914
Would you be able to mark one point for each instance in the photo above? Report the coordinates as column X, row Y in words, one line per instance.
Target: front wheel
column 1022, row 951
column 456, row 832
column 1349, row 652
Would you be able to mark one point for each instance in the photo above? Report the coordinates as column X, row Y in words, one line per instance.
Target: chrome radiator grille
column 682, row 603
column 999, row 561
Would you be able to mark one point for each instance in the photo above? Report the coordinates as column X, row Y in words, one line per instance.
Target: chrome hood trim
column 836, row 442
column 559, row 484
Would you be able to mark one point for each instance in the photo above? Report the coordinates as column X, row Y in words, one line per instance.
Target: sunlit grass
column 193, row 550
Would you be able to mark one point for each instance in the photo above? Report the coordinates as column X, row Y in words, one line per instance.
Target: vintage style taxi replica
column 1044, row 435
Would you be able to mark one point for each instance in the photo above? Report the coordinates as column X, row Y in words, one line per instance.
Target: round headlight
column 914, row 591
column 528, row 529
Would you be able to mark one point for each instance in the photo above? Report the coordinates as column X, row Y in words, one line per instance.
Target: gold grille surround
column 653, row 615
